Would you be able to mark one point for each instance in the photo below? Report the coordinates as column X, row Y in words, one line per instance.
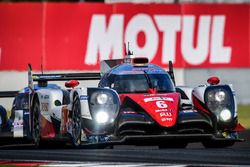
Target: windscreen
column 139, row 83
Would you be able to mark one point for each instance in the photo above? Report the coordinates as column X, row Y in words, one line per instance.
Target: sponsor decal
column 166, row 114
column 166, row 119
column 210, row 37
column 49, row 76
column 45, row 106
column 161, row 110
column 188, row 111
column 84, row 97
column 158, row 99
column 18, row 124
column 46, row 97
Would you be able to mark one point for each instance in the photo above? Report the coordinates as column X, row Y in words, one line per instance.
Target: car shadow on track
column 20, row 144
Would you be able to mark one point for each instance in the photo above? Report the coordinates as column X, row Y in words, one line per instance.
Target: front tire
column 36, row 133
column 76, row 122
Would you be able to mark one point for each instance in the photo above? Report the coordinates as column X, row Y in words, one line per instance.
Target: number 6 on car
column 161, row 104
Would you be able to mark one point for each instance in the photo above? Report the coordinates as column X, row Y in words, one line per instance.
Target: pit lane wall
column 201, row 39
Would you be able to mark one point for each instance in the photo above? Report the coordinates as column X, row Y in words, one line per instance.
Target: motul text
column 105, row 40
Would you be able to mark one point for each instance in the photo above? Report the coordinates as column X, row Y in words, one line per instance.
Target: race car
column 135, row 103
column 46, row 112
column 154, row 111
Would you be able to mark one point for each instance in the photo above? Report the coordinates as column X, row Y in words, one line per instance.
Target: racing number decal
column 161, row 104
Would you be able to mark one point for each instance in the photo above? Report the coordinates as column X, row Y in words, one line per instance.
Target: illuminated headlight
column 225, row 115
column 102, row 98
column 220, row 96
column 102, row 117
column 103, row 106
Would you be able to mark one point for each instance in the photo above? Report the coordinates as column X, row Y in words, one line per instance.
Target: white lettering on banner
column 219, row 54
column 195, row 55
column 103, row 39
column 142, row 23
column 169, row 25
column 106, row 40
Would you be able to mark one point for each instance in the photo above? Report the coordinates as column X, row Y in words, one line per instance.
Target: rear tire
column 76, row 122
column 36, row 132
column 217, row 144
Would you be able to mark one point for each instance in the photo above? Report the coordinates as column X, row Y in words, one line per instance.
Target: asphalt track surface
column 194, row 154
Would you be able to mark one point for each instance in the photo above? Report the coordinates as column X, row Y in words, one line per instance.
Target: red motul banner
column 76, row 36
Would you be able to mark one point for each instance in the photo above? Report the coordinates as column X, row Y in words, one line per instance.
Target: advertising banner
column 77, row 36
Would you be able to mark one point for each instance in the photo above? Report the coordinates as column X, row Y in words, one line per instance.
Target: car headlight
column 225, row 115
column 216, row 96
column 104, row 105
column 220, row 96
column 102, row 98
column 219, row 100
column 101, row 117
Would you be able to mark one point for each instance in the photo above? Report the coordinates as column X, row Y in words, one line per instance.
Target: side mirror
column 71, row 83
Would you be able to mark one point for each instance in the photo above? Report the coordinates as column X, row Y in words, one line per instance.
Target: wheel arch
column 35, row 97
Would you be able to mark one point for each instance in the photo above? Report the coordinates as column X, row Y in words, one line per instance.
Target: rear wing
column 6, row 94
column 44, row 78
column 66, row 76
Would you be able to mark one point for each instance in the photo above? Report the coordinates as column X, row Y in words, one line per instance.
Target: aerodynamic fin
column 30, row 80
column 6, row 94
column 106, row 65
column 171, row 71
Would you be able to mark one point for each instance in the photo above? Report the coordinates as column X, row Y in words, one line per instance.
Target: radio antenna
column 129, row 52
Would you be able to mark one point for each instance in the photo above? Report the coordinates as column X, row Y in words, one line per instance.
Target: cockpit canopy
column 127, row 78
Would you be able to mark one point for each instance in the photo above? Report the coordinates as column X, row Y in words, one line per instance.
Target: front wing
column 150, row 140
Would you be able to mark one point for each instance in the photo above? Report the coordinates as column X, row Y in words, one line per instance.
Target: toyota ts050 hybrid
column 135, row 103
